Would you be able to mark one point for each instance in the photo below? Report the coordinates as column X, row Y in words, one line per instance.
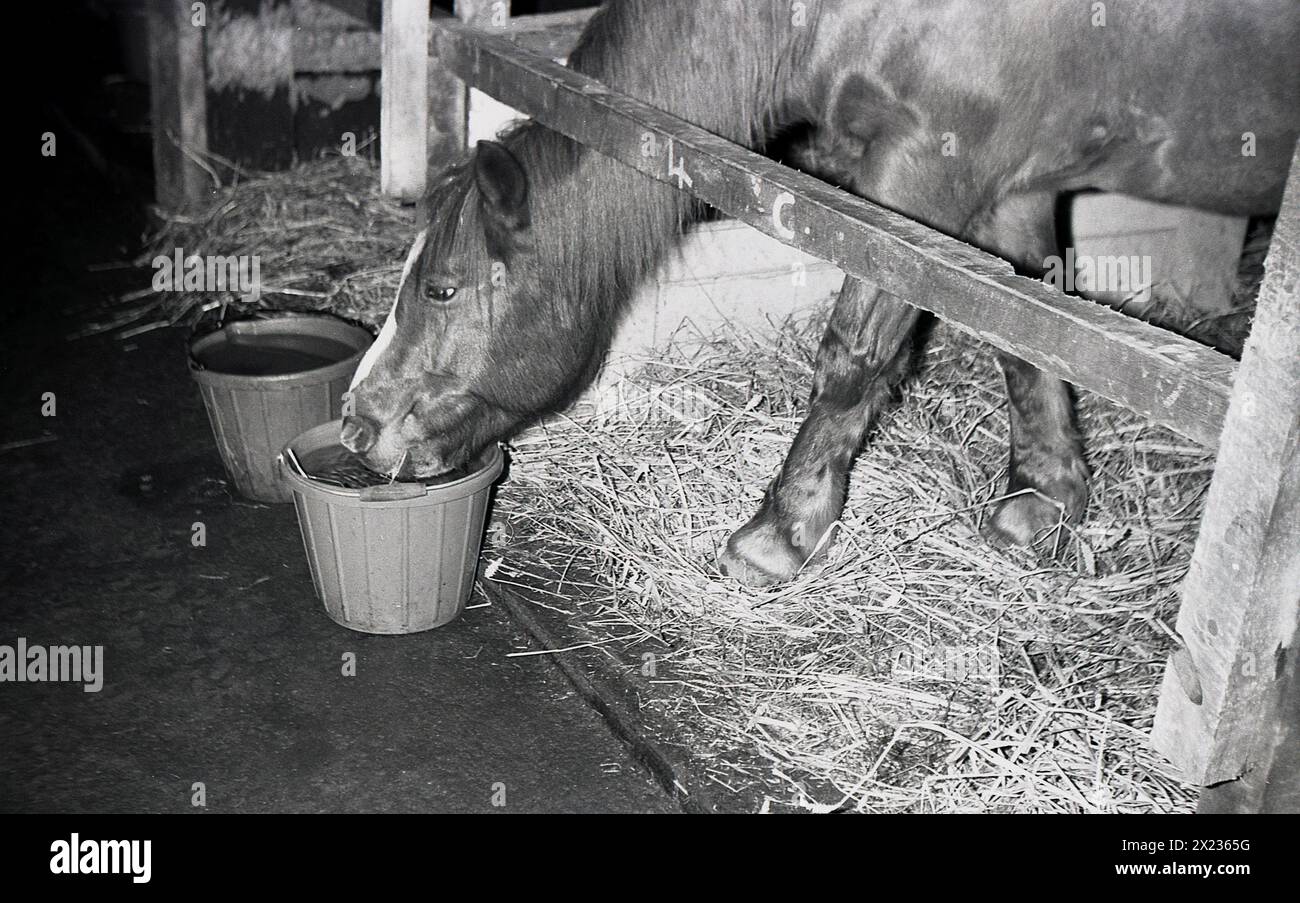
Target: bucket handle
column 393, row 492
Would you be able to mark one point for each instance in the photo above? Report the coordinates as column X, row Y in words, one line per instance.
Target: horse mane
column 600, row 227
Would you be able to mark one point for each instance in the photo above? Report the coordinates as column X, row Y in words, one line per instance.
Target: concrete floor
column 221, row 666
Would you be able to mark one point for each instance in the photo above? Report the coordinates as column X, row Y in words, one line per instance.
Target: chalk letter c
column 785, row 200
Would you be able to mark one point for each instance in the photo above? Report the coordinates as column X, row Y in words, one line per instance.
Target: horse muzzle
column 387, row 451
column 359, row 434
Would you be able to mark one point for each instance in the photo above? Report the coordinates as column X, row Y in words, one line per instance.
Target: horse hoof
column 758, row 554
column 1029, row 520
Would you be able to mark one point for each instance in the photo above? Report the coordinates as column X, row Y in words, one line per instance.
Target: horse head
column 480, row 339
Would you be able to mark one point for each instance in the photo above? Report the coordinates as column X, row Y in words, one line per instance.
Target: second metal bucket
column 256, row 410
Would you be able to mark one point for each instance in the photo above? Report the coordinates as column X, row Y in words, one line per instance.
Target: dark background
column 220, row 665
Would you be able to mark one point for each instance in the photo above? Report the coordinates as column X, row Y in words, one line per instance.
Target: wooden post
column 178, row 102
column 1219, row 714
column 1273, row 784
column 404, row 99
column 424, row 108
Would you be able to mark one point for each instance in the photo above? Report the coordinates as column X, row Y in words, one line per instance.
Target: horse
column 534, row 244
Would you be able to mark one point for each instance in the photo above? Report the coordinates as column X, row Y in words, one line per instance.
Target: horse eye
column 439, row 292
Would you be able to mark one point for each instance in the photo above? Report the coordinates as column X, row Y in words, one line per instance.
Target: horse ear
column 502, row 185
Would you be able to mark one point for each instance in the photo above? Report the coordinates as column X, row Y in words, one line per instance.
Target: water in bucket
column 336, row 466
column 272, row 354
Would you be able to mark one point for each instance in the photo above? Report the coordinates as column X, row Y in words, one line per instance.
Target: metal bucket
column 255, row 414
column 391, row 559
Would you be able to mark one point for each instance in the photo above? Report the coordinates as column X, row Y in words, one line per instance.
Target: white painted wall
column 1194, row 255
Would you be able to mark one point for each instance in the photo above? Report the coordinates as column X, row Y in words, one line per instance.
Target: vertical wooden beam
column 1273, row 784
column 404, row 99
column 424, row 110
column 448, row 113
column 487, row 15
column 1219, row 715
column 178, row 103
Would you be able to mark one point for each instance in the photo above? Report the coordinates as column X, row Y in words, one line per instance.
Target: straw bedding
column 910, row 667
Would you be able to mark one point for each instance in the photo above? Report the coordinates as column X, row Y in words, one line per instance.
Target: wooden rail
column 1166, row 378
column 551, row 35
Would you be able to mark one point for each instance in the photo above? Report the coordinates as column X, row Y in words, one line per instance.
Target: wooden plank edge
column 615, row 700
column 574, row 20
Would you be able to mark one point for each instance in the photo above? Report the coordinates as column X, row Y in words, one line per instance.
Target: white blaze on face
column 386, row 334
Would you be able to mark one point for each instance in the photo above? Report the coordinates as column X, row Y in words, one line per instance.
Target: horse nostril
column 358, row 435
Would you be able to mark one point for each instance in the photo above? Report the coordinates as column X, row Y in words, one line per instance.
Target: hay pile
column 913, row 668
column 325, row 237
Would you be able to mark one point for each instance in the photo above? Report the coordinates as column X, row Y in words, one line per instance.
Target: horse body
column 1155, row 103
column 972, row 117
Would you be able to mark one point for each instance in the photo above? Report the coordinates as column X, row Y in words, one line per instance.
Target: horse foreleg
column 863, row 354
column 1047, row 481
